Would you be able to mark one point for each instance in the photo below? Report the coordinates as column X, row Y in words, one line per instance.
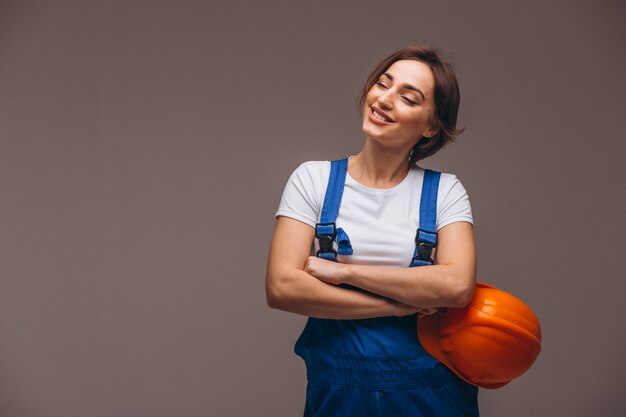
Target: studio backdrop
column 144, row 147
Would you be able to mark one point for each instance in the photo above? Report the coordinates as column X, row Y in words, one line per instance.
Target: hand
column 401, row 309
column 324, row 270
column 426, row 312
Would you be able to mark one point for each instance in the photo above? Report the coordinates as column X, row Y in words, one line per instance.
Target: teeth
column 380, row 116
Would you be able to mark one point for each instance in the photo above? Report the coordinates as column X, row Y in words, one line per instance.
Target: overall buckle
column 326, row 233
column 424, row 248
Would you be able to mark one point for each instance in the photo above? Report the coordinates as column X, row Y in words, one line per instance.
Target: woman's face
column 403, row 98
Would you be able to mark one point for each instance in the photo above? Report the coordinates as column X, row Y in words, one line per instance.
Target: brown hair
column 447, row 97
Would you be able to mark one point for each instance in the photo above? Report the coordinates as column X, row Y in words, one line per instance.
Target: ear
column 431, row 132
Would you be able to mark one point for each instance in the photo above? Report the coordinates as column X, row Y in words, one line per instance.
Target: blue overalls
column 377, row 367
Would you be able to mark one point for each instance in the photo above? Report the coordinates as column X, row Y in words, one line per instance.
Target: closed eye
column 411, row 102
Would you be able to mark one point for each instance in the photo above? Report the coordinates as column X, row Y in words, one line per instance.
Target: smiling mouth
column 380, row 116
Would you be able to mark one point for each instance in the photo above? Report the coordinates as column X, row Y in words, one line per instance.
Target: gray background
column 145, row 146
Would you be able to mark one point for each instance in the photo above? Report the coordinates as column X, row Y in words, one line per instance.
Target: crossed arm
column 303, row 284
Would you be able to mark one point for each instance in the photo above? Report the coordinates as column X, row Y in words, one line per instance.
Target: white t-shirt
column 381, row 223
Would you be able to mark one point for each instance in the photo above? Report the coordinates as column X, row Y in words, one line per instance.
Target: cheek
column 369, row 99
column 410, row 119
column 415, row 118
column 371, row 95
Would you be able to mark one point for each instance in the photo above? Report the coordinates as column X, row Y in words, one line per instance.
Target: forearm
column 300, row 293
column 425, row 286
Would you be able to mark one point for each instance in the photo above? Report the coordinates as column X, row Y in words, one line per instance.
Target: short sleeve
column 453, row 202
column 302, row 195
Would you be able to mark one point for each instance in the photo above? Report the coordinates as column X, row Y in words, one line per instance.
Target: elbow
column 463, row 293
column 275, row 302
column 272, row 297
column 275, row 295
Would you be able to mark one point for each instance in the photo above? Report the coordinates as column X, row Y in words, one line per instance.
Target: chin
column 367, row 130
column 370, row 129
column 380, row 140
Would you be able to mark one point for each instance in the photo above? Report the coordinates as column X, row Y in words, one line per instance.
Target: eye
column 381, row 85
column 411, row 102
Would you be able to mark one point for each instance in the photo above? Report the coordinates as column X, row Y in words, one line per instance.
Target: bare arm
column 449, row 283
column 288, row 287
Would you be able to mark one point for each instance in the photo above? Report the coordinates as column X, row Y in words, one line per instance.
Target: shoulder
column 453, row 203
column 447, row 180
column 313, row 167
column 304, row 192
column 451, row 189
column 310, row 178
column 311, row 173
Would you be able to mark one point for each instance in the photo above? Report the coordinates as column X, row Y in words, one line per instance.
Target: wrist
column 346, row 273
column 394, row 310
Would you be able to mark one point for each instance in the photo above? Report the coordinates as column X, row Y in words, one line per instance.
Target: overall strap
column 426, row 237
column 333, row 240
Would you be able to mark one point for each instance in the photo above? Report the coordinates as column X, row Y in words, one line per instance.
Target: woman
column 360, row 344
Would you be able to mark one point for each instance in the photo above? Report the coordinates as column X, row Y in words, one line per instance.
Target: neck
column 379, row 167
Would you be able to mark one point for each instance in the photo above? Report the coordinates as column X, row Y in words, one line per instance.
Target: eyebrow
column 407, row 86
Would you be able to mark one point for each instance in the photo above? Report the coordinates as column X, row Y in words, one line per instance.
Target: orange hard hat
column 488, row 343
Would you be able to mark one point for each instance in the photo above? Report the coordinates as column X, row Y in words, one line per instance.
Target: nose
column 384, row 101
